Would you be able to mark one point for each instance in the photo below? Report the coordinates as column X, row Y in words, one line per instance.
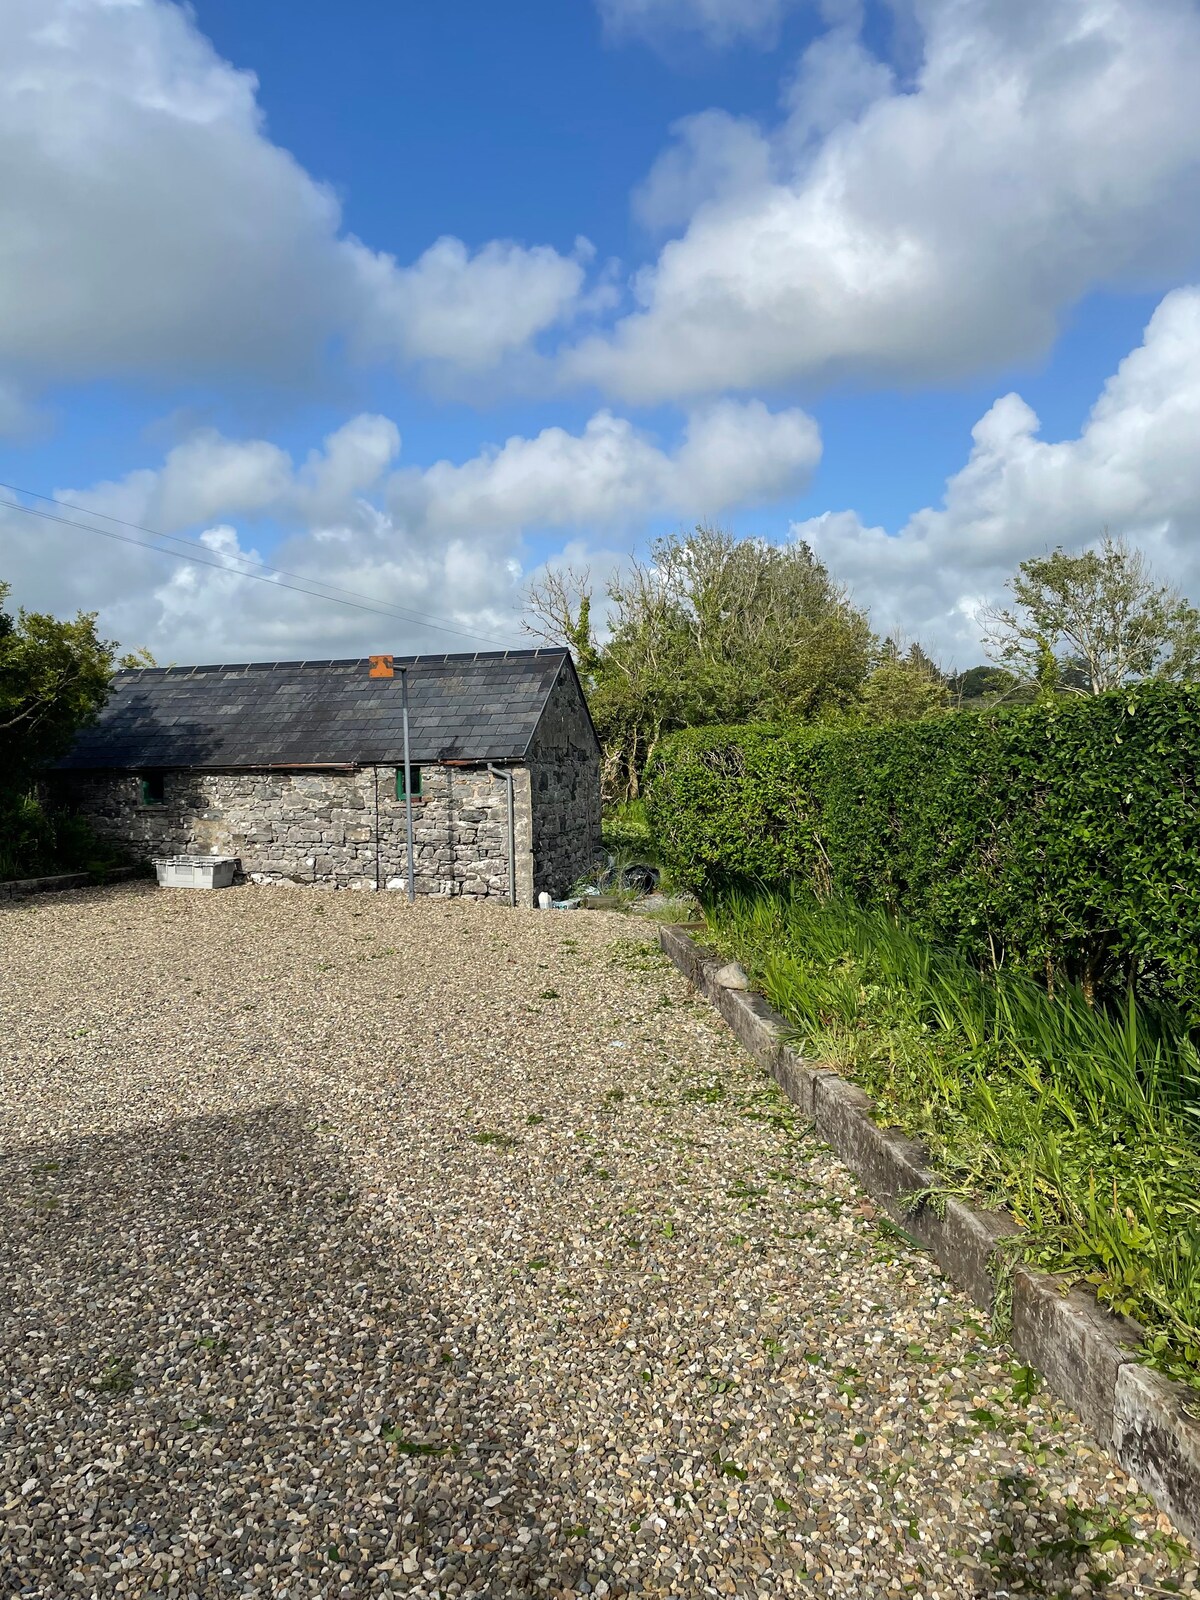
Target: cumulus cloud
column 151, row 227
column 611, row 474
column 712, row 156
column 1134, row 469
column 913, row 231
column 446, row 543
column 469, row 310
column 719, row 22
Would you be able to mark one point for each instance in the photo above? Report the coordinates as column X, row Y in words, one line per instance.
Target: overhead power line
column 265, row 573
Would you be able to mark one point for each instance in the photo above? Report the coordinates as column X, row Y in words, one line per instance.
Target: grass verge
column 1084, row 1123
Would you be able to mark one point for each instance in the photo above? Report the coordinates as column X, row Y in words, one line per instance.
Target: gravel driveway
column 350, row 1248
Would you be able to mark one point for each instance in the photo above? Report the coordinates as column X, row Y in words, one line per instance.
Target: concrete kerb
column 1086, row 1355
column 18, row 888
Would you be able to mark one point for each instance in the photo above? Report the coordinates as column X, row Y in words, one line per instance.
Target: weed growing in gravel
column 1082, row 1122
column 116, row 1377
column 410, row 1447
column 1024, row 1384
column 502, row 1141
column 1043, row 1547
column 709, row 1093
column 889, row 1236
column 635, row 955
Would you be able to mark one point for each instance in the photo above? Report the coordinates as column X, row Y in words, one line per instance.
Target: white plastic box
column 196, row 872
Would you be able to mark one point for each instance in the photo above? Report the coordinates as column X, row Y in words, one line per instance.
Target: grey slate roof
column 310, row 713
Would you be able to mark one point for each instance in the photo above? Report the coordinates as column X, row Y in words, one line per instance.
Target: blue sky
column 766, row 263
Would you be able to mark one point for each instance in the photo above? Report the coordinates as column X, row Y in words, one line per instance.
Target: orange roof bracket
column 380, row 667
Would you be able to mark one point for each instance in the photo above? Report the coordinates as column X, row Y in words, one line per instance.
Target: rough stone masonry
column 156, row 776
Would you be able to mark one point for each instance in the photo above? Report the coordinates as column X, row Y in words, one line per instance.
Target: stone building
column 296, row 768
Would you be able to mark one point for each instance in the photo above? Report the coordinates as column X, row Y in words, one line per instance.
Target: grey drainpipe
column 507, row 777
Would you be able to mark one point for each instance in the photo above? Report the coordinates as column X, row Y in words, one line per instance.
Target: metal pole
column 378, row 885
column 408, row 827
column 507, row 778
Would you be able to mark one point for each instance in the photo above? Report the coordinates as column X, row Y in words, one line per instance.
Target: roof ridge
column 326, row 663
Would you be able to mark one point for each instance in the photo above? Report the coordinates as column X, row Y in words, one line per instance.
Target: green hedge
column 1062, row 839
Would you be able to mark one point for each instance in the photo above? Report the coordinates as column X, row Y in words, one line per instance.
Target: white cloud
column 713, row 156
column 471, row 311
column 719, row 22
column 836, row 81
column 913, row 232
column 1134, row 469
column 611, row 474
column 151, row 228
column 448, row 542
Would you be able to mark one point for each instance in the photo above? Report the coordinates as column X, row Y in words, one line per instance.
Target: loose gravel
column 354, row 1249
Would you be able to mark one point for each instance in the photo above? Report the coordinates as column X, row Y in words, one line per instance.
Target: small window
column 416, row 782
column 154, row 789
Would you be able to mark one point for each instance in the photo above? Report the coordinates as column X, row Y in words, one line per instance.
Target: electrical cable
column 268, row 574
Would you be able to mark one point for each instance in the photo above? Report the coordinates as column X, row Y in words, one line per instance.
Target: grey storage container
column 196, row 872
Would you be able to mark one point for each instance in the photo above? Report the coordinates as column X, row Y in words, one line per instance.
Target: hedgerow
column 1060, row 839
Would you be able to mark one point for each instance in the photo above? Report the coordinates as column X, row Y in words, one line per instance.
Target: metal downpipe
column 507, row 778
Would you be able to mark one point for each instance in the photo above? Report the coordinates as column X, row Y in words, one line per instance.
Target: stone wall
column 564, row 779
column 336, row 829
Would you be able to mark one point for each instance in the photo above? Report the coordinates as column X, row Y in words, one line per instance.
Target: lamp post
column 385, row 667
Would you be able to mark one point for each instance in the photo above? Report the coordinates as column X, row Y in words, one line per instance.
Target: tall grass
column 626, row 831
column 1084, row 1122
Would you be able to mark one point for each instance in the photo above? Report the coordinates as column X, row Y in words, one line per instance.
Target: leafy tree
column 54, row 678
column 904, row 687
column 1088, row 622
column 711, row 629
column 983, row 686
column 135, row 660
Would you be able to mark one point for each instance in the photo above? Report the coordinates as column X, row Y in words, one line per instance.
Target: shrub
column 1059, row 839
column 626, row 831
column 35, row 842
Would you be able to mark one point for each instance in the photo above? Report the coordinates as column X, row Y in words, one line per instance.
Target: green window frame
column 416, row 782
column 153, row 788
